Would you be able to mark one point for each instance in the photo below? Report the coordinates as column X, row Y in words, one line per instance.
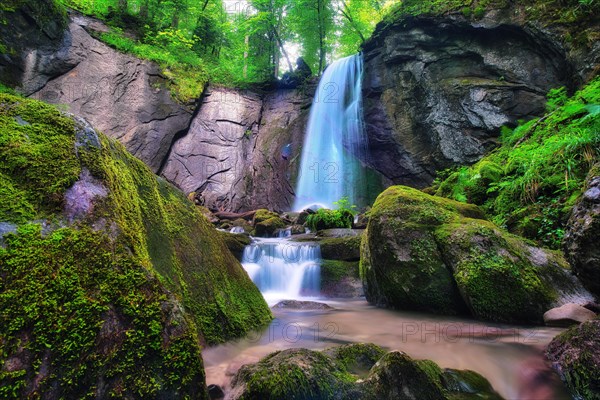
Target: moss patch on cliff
column 530, row 183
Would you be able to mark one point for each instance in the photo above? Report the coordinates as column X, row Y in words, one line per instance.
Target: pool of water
column 510, row 357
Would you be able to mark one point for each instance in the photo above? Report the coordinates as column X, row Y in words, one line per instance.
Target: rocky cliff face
column 438, row 89
column 123, row 96
column 242, row 149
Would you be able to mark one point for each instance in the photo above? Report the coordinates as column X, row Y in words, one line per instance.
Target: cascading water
column 283, row 269
column 335, row 140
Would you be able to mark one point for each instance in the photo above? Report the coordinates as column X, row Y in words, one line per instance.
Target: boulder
column 397, row 376
column 120, row 251
column 582, row 233
column 340, row 279
column 567, row 315
column 354, row 371
column 343, row 249
column 575, row 354
column 266, row 223
column 298, row 374
column 422, row 252
column 236, row 243
column 301, row 305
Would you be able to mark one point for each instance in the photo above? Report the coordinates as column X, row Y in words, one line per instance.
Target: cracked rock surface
column 121, row 95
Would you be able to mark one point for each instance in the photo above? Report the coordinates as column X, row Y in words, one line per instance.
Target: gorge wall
column 242, row 150
column 438, row 89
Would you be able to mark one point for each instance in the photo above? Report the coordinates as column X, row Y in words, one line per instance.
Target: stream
column 510, row 357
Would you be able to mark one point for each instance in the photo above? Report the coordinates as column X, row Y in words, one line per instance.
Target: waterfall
column 335, row 140
column 283, row 269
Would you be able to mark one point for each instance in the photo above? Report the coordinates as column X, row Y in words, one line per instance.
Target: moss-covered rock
column 342, row 248
column 103, row 290
column 356, row 358
column 340, row 279
column 336, row 374
column 575, row 354
column 236, row 243
column 266, row 223
column 294, row 374
column 423, row 252
column 401, row 265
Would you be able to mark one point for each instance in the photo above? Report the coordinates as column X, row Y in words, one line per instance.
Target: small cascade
column 335, row 140
column 283, row 269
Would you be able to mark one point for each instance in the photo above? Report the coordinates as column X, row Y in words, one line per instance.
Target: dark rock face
column 583, row 233
column 575, row 354
column 120, row 95
column 36, row 45
column 242, row 150
column 437, row 91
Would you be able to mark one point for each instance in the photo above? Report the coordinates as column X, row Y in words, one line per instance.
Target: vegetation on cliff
column 107, row 272
column 531, row 182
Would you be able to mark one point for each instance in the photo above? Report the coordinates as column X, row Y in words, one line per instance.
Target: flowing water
column 335, row 140
column 510, row 357
column 283, row 269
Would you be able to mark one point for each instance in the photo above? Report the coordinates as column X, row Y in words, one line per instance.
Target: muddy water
column 510, row 357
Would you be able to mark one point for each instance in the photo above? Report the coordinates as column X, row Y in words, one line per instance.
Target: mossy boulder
column 401, row 265
column 120, row 278
column 354, row 371
column 342, row 248
column 266, row 223
column 340, row 279
column 398, row 376
column 356, row 358
column 423, row 252
column 575, row 354
column 294, row 374
column 235, row 242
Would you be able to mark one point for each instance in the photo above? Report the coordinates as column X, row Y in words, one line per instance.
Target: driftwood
column 233, row 216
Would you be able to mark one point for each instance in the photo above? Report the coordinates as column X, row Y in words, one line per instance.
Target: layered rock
column 438, row 88
column 242, row 150
column 119, row 277
column 422, row 252
column 582, row 233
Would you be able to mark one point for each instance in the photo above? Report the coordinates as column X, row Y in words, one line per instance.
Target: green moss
column 190, row 258
column 296, row 374
column 235, row 243
column 356, row 358
column 333, row 271
column 164, row 231
column 576, row 353
column 329, row 219
column 344, row 248
column 530, row 183
column 77, row 310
